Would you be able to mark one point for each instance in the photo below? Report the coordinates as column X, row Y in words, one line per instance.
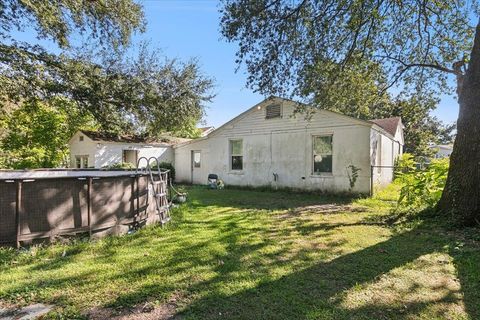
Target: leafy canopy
column 413, row 42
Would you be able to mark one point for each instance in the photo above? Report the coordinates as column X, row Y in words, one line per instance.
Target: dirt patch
column 144, row 311
column 322, row 209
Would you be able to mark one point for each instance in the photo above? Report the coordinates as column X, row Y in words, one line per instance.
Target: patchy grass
column 247, row 254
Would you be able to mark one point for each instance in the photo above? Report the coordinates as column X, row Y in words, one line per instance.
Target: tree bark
column 461, row 196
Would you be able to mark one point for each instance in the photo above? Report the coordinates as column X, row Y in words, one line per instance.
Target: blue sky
column 187, row 29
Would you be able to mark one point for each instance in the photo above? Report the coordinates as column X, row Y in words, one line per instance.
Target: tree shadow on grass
column 316, row 292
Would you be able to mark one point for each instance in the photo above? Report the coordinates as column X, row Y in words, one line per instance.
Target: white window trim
column 312, row 168
column 230, row 155
column 200, row 162
column 82, row 164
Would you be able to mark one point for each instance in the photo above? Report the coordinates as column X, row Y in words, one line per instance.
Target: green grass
column 249, row 254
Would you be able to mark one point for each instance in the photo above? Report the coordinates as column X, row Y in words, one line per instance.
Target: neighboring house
column 205, row 131
column 268, row 145
column 91, row 149
column 441, row 150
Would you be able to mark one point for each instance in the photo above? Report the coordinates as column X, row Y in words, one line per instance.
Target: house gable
column 256, row 120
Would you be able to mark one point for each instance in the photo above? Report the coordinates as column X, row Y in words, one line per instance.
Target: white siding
column 102, row 154
column 383, row 150
column 282, row 146
column 109, row 153
column 81, row 148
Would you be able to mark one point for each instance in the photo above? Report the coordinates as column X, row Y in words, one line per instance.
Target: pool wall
column 88, row 202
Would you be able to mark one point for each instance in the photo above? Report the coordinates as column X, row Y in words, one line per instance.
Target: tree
column 421, row 128
column 107, row 22
column 418, row 45
column 37, row 133
column 144, row 94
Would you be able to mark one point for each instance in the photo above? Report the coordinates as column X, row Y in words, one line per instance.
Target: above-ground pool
column 39, row 204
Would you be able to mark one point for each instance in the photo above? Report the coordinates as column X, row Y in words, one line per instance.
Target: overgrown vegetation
column 121, row 89
column 243, row 254
column 421, row 187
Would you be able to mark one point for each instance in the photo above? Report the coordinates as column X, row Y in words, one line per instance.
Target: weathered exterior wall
column 383, row 150
column 282, row 146
column 103, row 154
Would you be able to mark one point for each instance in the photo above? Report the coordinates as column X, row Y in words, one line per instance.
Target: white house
column 441, row 150
column 91, row 149
column 270, row 145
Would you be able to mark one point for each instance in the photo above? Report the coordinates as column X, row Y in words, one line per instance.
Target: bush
column 120, row 165
column 423, row 188
column 165, row 165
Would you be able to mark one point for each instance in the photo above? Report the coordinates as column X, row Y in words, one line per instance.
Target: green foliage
column 109, row 22
column 421, row 128
column 165, row 165
column 404, row 165
column 121, row 165
column 37, row 134
column 146, row 94
column 423, row 188
column 352, row 173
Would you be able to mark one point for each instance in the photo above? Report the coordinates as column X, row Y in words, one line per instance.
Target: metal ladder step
column 160, row 195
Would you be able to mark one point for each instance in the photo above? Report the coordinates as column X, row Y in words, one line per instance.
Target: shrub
column 120, row 165
column 165, row 165
column 404, row 165
column 423, row 188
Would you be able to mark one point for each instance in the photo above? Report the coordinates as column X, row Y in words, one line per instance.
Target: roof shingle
column 388, row 124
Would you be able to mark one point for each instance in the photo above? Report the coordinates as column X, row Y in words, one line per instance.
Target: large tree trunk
column 461, row 196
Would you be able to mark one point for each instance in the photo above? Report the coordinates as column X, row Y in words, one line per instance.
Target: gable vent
column 273, row 111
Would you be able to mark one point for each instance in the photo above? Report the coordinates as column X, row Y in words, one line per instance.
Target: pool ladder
column 158, row 180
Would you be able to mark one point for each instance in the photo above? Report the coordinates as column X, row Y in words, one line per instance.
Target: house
column 441, row 150
column 92, row 149
column 271, row 145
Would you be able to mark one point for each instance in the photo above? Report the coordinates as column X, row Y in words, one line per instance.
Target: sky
column 190, row 28
column 186, row 29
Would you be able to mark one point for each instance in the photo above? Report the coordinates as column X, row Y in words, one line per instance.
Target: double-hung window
column 236, row 154
column 322, row 154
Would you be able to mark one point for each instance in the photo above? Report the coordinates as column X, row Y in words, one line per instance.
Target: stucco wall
column 282, row 146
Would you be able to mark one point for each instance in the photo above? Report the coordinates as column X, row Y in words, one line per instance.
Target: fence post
column 371, row 181
column 18, row 208
column 89, row 205
column 132, row 199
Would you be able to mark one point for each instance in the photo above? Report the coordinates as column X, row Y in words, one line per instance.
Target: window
column 80, row 138
column 322, row 154
column 130, row 156
column 196, row 159
column 81, row 162
column 236, row 154
column 273, row 111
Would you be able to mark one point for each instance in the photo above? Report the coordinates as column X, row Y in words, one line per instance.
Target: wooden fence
column 49, row 207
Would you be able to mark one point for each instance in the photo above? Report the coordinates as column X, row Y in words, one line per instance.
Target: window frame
column 231, row 155
column 313, row 154
column 82, row 158
column 200, row 159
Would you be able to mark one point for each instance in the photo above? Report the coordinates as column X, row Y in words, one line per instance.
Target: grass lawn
column 244, row 254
